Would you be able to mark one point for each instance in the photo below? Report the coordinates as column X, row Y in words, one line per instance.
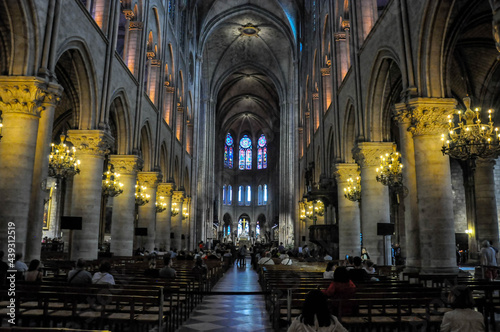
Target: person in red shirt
column 341, row 288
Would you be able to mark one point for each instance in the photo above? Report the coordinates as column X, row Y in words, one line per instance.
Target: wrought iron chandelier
column 62, row 160
column 469, row 138
column 353, row 190
column 111, row 186
column 140, row 197
column 390, row 172
column 185, row 213
column 309, row 209
column 319, row 208
column 302, row 215
column 175, row 209
column 160, row 203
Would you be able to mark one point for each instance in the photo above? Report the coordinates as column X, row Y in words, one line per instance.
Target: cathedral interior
column 250, row 121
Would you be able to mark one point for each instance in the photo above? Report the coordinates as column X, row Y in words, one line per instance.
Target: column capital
column 91, row 142
column 401, row 113
column 27, row 94
column 339, row 36
column 344, row 171
column 165, row 189
column 169, row 89
column 129, row 14
column 315, row 96
column 429, row 116
column 178, row 197
column 187, row 200
column 301, row 130
column 149, row 179
column 155, row 62
column 326, row 71
column 490, row 162
column 136, row 25
column 126, row 164
column 368, row 154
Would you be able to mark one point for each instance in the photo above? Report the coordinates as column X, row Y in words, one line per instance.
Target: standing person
column 103, row 276
column 316, row 316
column 242, row 256
column 463, row 318
column 364, row 254
column 79, row 276
column 488, row 260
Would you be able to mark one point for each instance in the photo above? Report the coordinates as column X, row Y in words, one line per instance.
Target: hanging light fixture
column 302, row 215
column 160, row 203
column 175, row 209
column 469, row 138
column 390, row 172
column 319, row 208
column 140, row 197
column 185, row 213
column 1, row 125
column 62, row 160
column 309, row 209
column 111, row 186
column 353, row 190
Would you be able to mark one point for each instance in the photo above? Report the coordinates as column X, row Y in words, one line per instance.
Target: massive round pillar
column 147, row 212
column 163, row 219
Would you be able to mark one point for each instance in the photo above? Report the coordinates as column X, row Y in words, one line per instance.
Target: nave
column 220, row 313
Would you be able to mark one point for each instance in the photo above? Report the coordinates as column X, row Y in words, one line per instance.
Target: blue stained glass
column 230, row 195
column 257, row 229
column 228, row 230
column 230, row 161
column 249, row 159
column 245, row 142
column 264, row 158
column 259, row 158
column 229, row 139
column 262, row 141
column 242, row 159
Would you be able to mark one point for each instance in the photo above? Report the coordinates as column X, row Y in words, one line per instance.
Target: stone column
column 349, row 215
column 374, row 200
column 168, row 102
column 21, row 100
column 154, row 77
column 176, row 224
column 134, row 39
column 495, row 6
column 147, row 212
column 123, row 217
column 434, row 196
column 92, row 146
column 40, row 171
column 327, row 87
column 163, row 219
column 412, row 231
column 486, row 205
column 186, row 207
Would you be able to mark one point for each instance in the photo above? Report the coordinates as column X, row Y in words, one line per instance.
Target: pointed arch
column 146, row 146
column 119, row 115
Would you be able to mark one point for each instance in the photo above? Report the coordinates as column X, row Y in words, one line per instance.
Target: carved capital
column 155, row 62
column 345, row 171
column 27, row 94
column 165, row 189
column 489, row 163
column 401, row 113
column 339, row 36
column 187, row 201
column 150, row 55
column 91, row 142
column 345, row 25
column 180, row 109
column 136, row 25
column 429, row 116
column 315, row 96
column 149, row 179
column 308, row 114
column 301, row 130
column 126, row 164
column 326, row 71
column 178, row 197
column 169, row 89
column 368, row 154
column 129, row 14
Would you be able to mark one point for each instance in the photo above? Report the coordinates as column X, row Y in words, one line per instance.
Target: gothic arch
column 146, row 146
column 186, row 183
column 349, row 132
column 119, row 111
column 164, row 161
column 83, row 78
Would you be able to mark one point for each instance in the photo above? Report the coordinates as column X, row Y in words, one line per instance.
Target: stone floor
column 231, row 312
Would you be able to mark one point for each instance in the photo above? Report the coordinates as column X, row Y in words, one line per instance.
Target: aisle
column 218, row 313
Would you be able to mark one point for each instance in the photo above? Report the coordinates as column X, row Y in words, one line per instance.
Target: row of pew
column 137, row 302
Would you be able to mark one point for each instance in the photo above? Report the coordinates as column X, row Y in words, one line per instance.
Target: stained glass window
column 228, row 230
column 229, row 195
column 248, row 199
column 257, row 228
column 262, row 152
column 224, row 195
column 245, row 161
column 228, row 151
column 240, row 195
column 259, row 194
column 265, row 195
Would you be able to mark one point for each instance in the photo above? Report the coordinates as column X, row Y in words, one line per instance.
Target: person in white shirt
column 103, row 276
column 19, row 265
column 285, row 260
column 463, row 318
column 330, row 269
column 266, row 260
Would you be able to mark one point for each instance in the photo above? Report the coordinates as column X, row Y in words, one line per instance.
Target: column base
column 452, row 270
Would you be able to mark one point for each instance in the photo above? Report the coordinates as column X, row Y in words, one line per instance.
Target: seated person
column 267, row 260
column 79, row 276
column 19, row 265
column 167, row 271
column 358, row 274
column 341, row 288
column 285, row 260
column 463, row 318
column 103, row 276
column 369, row 267
column 330, row 268
column 200, row 270
column 33, row 274
column 316, row 316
